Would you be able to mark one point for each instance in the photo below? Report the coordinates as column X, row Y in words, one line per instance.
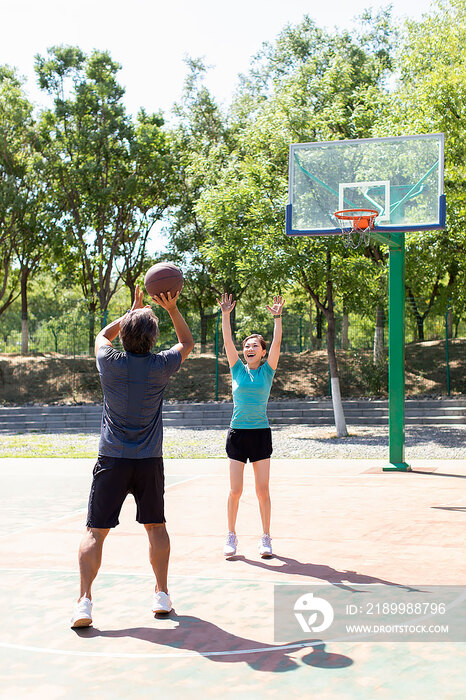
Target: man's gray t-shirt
column 133, row 387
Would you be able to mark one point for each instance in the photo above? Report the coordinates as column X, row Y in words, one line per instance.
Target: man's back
column 133, row 387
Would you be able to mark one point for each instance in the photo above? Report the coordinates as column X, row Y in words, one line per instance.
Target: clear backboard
column 400, row 177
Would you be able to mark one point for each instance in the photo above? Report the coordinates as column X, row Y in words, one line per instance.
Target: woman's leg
column 262, row 475
column 236, row 489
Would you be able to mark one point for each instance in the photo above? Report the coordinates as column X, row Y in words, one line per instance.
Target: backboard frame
column 379, row 228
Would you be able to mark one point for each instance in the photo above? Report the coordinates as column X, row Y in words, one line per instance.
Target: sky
column 150, row 38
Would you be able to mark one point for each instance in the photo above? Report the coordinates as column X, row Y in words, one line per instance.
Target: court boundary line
column 185, row 654
column 135, row 574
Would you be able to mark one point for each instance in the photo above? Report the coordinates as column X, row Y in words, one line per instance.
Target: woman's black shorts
column 249, row 443
column 114, row 478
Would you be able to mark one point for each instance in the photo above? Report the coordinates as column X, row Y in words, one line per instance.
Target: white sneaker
column 230, row 545
column 265, row 546
column 82, row 613
column 161, row 603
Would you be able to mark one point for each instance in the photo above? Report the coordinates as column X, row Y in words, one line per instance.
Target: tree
column 431, row 97
column 109, row 179
column 308, row 86
column 31, row 242
column 201, row 147
column 26, row 228
column 15, row 129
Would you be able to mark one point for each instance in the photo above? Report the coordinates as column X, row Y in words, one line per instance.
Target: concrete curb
column 86, row 418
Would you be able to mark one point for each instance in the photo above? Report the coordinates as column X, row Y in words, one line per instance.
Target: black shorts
column 114, row 478
column 249, row 443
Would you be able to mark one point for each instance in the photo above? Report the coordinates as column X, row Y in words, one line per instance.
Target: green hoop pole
column 396, row 357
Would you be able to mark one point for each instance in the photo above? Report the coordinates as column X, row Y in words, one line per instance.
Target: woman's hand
column 226, row 303
column 276, row 308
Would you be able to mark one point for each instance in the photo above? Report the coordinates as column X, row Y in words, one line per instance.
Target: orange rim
column 361, row 218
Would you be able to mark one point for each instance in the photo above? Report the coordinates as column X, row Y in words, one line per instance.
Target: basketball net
column 356, row 221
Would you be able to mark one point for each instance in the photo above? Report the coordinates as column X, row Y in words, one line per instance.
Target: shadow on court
column 318, row 571
column 216, row 644
column 452, row 476
column 460, row 509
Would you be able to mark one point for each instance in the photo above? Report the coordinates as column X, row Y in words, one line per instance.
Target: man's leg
column 159, row 553
column 90, row 558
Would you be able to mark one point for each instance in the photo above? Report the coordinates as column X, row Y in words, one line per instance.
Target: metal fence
column 437, row 366
column 73, row 333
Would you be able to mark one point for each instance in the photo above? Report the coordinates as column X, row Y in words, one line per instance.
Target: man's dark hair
column 139, row 330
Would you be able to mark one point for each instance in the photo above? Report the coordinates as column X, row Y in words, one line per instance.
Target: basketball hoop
column 359, row 221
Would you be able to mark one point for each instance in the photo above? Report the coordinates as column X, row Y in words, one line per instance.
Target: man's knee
column 97, row 533
column 154, row 526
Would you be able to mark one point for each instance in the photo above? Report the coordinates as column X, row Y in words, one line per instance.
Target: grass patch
column 85, row 446
column 25, row 445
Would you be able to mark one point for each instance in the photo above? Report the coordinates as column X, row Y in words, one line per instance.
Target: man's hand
column 185, row 342
column 166, row 301
column 138, row 303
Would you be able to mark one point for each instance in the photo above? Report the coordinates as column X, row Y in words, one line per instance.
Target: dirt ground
column 51, row 378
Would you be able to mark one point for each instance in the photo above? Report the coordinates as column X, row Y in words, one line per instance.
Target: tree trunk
column 233, row 323
column 55, row 338
column 378, row 335
column 91, row 319
column 131, row 284
column 450, row 323
column 419, row 319
column 420, row 327
column 203, row 331
column 311, row 336
column 433, row 296
column 340, row 422
column 344, row 331
column 319, row 319
column 24, row 312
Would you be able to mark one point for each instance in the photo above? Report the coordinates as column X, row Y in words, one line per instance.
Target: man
column 130, row 448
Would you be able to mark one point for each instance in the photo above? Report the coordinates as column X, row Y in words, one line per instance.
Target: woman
column 249, row 436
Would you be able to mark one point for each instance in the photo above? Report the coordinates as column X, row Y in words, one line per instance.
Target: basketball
column 163, row 278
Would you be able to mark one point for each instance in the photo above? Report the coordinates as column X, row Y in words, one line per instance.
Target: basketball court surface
column 347, row 524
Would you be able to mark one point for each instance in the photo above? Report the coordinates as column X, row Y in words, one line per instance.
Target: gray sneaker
column 265, row 546
column 231, row 544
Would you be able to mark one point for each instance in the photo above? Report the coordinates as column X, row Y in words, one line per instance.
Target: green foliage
column 81, row 189
column 309, row 85
column 26, row 228
column 371, row 375
column 431, row 97
column 201, row 145
column 108, row 178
